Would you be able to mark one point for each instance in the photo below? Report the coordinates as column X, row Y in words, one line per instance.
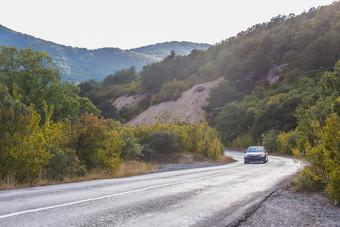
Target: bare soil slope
column 127, row 101
column 187, row 107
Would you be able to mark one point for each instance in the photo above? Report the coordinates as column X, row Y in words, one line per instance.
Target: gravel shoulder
column 288, row 208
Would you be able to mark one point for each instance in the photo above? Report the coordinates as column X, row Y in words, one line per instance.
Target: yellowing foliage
column 195, row 138
column 97, row 142
column 323, row 157
column 24, row 145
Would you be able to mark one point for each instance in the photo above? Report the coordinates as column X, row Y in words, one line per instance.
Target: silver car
column 256, row 154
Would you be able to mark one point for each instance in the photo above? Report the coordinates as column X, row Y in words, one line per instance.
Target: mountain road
column 209, row 196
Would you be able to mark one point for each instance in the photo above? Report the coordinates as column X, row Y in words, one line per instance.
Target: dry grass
column 134, row 168
column 127, row 169
column 225, row 159
column 7, row 183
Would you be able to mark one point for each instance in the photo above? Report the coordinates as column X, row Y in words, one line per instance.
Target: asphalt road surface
column 211, row 196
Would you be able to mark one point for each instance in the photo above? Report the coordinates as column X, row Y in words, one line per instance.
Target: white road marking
column 105, row 197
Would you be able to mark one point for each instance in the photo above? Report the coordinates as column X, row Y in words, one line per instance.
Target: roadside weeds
column 127, row 169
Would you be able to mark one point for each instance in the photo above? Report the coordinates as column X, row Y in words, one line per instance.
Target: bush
column 97, row 143
column 164, row 141
column 148, row 153
column 242, row 141
column 170, row 135
column 132, row 149
column 305, row 181
column 63, row 163
column 323, row 157
column 286, row 141
column 269, row 140
column 333, row 188
column 171, row 90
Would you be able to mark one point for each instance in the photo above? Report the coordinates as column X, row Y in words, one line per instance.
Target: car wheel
column 245, row 162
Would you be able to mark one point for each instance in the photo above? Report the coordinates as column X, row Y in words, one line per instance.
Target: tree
column 97, row 143
column 319, row 130
column 38, row 79
column 121, row 77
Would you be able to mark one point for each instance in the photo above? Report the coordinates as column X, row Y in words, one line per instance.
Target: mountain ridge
column 81, row 64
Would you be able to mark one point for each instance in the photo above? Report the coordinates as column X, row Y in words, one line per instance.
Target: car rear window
column 255, row 149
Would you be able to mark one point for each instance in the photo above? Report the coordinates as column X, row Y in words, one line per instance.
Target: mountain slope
column 187, row 107
column 161, row 50
column 80, row 64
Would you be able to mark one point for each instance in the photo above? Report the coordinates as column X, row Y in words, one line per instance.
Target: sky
column 128, row 24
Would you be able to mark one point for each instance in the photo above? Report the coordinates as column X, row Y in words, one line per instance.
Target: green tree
column 38, row 80
column 121, row 77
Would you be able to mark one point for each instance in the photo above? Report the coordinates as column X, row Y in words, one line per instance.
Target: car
column 256, row 154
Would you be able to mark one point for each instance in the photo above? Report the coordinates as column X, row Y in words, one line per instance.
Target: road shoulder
column 287, row 208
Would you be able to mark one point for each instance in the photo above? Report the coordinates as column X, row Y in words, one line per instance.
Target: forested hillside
column 80, row 64
column 281, row 89
column 290, row 48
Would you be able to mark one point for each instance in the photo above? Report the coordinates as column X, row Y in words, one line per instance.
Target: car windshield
column 254, row 149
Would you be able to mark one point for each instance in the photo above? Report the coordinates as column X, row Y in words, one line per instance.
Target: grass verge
column 127, row 169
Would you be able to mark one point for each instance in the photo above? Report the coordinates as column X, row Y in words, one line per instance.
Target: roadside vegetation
column 49, row 133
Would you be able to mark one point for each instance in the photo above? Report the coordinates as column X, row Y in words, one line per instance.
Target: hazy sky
column 133, row 23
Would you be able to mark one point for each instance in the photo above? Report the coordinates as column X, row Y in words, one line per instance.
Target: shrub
column 97, row 143
column 148, row 153
column 269, row 140
column 242, row 141
column 286, row 141
column 205, row 140
column 170, row 135
column 305, row 181
column 132, row 149
column 323, row 157
column 171, row 90
column 63, row 163
column 333, row 188
column 164, row 141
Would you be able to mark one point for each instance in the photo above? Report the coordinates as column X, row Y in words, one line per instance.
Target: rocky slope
column 187, row 107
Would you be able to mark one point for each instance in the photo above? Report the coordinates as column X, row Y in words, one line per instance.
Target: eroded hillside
column 187, row 107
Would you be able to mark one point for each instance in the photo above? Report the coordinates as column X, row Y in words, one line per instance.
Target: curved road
column 211, row 196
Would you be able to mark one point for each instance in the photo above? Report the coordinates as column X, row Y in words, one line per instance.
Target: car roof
column 256, row 147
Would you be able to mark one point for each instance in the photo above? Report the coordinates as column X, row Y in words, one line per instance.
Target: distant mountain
column 161, row 50
column 80, row 64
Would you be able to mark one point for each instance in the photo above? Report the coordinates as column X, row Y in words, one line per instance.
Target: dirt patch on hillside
column 273, row 74
column 187, row 107
column 127, row 101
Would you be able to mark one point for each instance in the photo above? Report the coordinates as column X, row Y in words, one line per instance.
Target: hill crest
column 81, row 64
